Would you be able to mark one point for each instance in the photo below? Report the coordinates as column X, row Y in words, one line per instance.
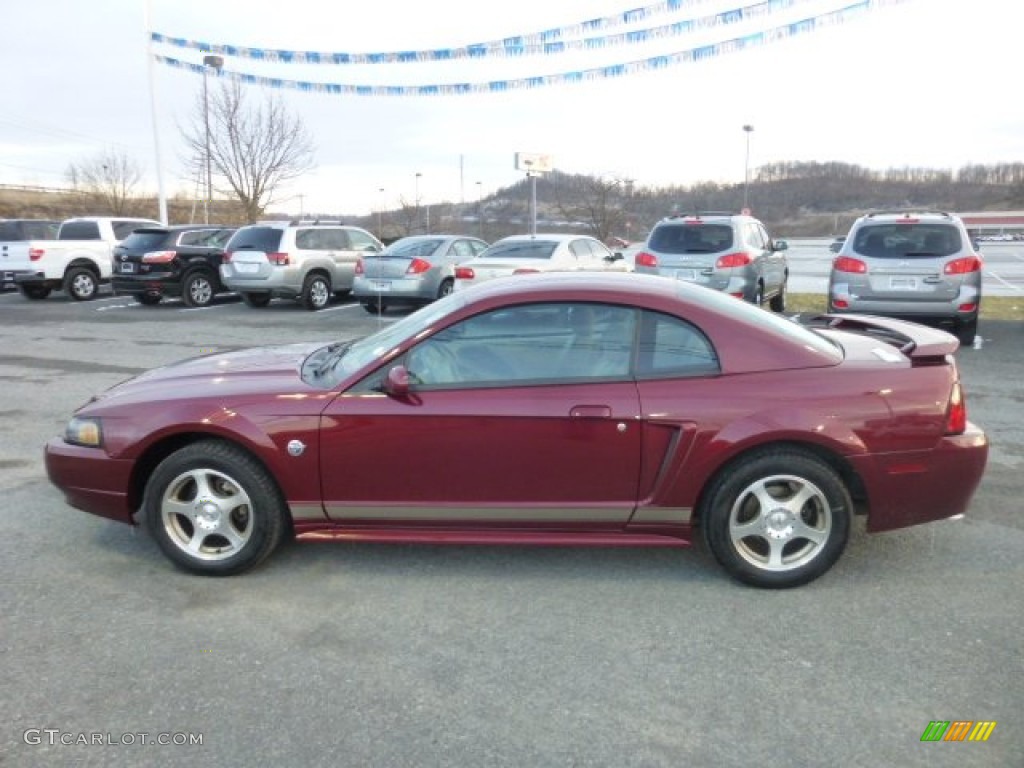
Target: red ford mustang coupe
column 603, row 409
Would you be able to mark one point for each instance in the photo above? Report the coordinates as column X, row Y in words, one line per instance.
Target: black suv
column 184, row 261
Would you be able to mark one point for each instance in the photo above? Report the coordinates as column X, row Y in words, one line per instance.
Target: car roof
column 560, row 237
column 903, row 215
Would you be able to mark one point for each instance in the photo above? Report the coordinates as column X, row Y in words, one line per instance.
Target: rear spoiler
column 915, row 341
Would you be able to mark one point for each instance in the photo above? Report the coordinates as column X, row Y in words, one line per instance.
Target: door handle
column 591, row 412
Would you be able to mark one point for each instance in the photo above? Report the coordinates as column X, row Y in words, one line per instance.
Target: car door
column 515, row 417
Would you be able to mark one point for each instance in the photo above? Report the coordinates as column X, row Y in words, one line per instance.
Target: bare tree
column 601, row 202
column 253, row 149
column 110, row 177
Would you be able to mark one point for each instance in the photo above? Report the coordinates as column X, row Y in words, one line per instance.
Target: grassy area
column 992, row 307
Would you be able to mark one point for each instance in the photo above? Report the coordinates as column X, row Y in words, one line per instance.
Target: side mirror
column 396, row 383
column 780, row 245
column 615, row 256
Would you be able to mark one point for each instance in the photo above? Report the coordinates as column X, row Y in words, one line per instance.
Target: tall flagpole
column 161, row 195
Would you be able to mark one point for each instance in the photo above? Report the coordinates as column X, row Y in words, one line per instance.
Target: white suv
column 307, row 261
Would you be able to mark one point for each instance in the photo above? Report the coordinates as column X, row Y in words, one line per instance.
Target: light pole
column 480, row 209
column 216, row 62
column 747, row 129
column 380, row 215
column 418, row 175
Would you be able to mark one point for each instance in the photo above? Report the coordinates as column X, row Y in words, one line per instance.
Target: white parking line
column 1008, row 284
column 335, row 309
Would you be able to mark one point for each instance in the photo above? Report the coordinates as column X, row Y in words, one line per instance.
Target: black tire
column 786, row 546
column 316, row 292
column 778, row 302
column 34, row 292
column 213, row 509
column 375, row 307
column 966, row 331
column 446, row 287
column 148, row 299
column 80, row 284
column 198, row 289
column 258, row 300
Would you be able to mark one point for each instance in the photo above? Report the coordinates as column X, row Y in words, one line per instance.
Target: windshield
column 383, row 344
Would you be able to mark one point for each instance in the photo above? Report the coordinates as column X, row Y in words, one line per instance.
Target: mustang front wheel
column 213, row 509
column 777, row 518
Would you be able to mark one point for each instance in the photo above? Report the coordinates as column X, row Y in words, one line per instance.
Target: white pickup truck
column 76, row 262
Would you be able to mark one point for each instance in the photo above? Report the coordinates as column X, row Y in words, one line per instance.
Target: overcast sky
column 923, row 83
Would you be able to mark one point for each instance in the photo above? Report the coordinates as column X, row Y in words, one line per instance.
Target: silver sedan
column 413, row 270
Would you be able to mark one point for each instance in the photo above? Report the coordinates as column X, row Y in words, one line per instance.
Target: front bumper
column 90, row 480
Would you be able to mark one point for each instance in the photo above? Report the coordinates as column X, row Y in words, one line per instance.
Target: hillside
column 793, row 199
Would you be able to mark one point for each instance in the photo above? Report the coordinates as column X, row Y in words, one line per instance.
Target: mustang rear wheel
column 777, row 518
column 213, row 509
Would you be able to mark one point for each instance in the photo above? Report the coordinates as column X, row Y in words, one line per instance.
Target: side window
column 764, row 236
column 752, row 237
column 334, row 240
column 307, row 239
column 479, row 246
column 580, row 249
column 529, row 344
column 461, row 250
column 361, row 241
column 671, row 347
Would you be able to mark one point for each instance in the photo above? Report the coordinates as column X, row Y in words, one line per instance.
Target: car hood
column 230, row 375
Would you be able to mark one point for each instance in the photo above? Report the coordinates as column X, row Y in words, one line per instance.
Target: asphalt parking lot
column 373, row 655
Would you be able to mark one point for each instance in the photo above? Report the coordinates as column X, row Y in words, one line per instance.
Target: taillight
column 731, row 260
column 962, row 266
column 417, row 267
column 227, row 257
column 840, row 304
column 846, row 264
column 464, row 273
column 35, row 254
column 524, row 271
column 956, row 415
column 360, row 269
column 278, row 259
column 158, row 257
column 645, row 259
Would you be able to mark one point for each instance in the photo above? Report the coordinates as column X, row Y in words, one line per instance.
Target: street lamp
column 480, row 209
column 380, row 215
column 747, row 129
column 418, row 175
column 216, row 62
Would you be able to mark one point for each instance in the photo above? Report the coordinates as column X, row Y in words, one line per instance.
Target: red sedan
column 603, row 409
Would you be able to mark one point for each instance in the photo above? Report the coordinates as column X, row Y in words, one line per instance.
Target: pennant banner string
column 652, row 64
column 552, row 41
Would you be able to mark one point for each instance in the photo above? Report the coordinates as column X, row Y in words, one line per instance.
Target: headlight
column 84, row 431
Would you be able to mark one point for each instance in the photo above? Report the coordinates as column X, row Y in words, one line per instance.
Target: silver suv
column 308, row 261
column 914, row 265
column 723, row 251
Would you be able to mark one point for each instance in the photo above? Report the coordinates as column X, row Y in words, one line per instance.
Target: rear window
column 521, row 249
column 902, row 241
column 691, row 238
column 145, row 240
column 412, row 249
column 79, row 230
column 266, row 239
